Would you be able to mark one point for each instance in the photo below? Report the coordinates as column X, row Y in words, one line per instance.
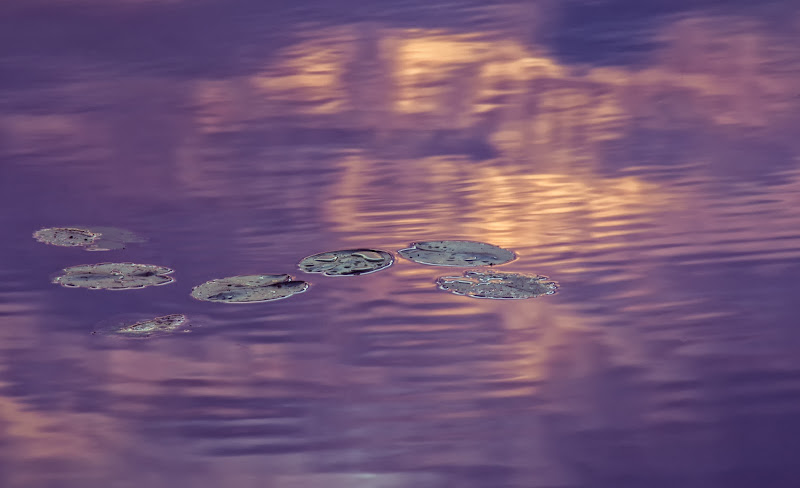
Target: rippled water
column 644, row 155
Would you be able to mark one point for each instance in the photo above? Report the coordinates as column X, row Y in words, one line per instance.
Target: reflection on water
column 662, row 195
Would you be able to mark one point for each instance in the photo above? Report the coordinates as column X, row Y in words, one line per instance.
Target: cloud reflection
column 612, row 180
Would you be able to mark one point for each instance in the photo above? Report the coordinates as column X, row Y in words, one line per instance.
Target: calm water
column 643, row 154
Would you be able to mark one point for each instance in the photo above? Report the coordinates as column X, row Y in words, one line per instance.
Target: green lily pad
column 90, row 238
column 114, row 276
column 164, row 325
column 456, row 253
column 478, row 284
column 348, row 262
column 249, row 289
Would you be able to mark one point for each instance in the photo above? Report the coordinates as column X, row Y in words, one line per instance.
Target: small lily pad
column 249, row 289
column 90, row 238
column 456, row 253
column 66, row 236
column 114, row 276
column 348, row 262
column 478, row 284
column 164, row 325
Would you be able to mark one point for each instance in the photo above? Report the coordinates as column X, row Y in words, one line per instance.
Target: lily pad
column 478, row 284
column 90, row 238
column 249, row 289
column 66, row 236
column 164, row 325
column 114, row 276
column 456, row 253
column 348, row 262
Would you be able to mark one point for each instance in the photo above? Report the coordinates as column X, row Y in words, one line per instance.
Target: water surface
column 644, row 155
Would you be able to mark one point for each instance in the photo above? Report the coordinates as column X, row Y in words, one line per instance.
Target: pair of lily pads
column 436, row 253
column 129, row 276
column 262, row 288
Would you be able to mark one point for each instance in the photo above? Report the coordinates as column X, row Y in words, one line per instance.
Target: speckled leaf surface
column 500, row 285
column 457, row 253
column 249, row 289
column 347, row 262
column 114, row 276
column 148, row 327
column 89, row 238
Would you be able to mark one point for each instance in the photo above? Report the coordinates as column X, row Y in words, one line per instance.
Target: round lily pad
column 456, row 253
column 114, row 276
column 478, row 284
column 66, row 236
column 147, row 327
column 348, row 262
column 249, row 289
column 89, row 238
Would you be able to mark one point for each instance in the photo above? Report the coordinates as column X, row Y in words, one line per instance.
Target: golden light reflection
column 444, row 79
column 47, row 436
column 426, row 63
column 514, row 210
column 309, row 77
column 543, row 117
column 541, row 192
column 38, row 436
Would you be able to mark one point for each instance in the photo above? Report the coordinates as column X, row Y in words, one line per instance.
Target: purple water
column 645, row 155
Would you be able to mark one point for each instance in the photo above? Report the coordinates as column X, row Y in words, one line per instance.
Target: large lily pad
column 89, row 238
column 347, row 262
column 478, row 284
column 146, row 327
column 456, row 253
column 114, row 276
column 249, row 289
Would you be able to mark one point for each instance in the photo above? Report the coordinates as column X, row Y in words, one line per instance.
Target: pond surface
column 643, row 155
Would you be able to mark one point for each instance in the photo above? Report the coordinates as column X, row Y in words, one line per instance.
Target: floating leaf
column 249, row 289
column 456, row 253
column 90, row 238
column 163, row 325
column 347, row 262
column 478, row 284
column 114, row 276
column 66, row 236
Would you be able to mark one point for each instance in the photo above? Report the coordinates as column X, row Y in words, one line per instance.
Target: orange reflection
column 309, row 76
column 34, row 438
column 432, row 197
column 540, row 191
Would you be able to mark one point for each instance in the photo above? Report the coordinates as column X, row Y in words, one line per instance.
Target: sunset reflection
column 662, row 196
column 42, row 438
